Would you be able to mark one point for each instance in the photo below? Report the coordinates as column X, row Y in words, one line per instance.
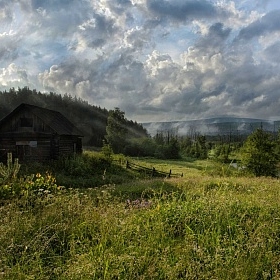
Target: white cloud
column 155, row 59
column 13, row 76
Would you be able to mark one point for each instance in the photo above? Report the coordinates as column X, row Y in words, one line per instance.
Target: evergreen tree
column 258, row 153
column 201, row 147
column 222, row 152
column 173, row 149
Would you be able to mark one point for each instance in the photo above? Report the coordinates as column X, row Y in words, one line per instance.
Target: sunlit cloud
column 155, row 59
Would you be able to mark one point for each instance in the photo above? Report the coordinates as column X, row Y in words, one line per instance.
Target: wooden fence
column 152, row 172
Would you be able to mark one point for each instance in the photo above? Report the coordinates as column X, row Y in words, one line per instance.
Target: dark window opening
column 26, row 122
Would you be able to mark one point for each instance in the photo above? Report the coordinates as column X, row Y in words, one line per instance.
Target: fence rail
column 151, row 171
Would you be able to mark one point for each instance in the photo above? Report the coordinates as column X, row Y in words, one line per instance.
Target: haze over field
column 157, row 60
column 212, row 126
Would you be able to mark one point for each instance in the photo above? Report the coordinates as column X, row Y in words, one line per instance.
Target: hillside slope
column 89, row 119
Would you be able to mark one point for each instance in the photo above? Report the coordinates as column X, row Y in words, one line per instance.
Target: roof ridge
column 54, row 119
column 39, row 107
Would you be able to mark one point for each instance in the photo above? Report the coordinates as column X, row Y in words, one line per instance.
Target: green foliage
column 277, row 146
column 30, row 188
column 196, row 148
column 222, row 152
column 9, row 172
column 200, row 228
column 201, row 149
column 258, row 154
column 107, row 152
column 82, row 165
column 173, row 149
column 39, row 185
column 169, row 150
column 91, row 169
column 120, row 141
column 141, row 147
column 116, row 130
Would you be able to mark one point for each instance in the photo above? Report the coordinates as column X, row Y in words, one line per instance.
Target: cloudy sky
column 157, row 60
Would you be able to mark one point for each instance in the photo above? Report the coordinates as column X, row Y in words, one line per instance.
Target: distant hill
column 213, row 126
column 89, row 119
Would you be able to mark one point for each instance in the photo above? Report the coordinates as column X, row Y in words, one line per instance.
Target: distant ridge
column 213, row 126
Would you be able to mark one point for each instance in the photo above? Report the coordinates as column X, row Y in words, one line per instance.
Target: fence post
column 153, row 171
column 127, row 164
column 169, row 175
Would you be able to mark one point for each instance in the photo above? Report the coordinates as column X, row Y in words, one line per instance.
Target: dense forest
column 89, row 119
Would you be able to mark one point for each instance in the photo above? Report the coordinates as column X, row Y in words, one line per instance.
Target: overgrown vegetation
column 205, row 225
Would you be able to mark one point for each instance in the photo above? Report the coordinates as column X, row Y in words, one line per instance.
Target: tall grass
column 200, row 227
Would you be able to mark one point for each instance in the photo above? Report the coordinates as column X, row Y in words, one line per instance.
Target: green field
column 212, row 223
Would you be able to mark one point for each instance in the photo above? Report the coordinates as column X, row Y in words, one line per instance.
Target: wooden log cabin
column 32, row 133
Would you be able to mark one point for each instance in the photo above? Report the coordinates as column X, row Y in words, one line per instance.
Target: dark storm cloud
column 266, row 24
column 183, row 10
column 215, row 40
column 217, row 30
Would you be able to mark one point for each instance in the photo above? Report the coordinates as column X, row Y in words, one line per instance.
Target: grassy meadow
column 212, row 223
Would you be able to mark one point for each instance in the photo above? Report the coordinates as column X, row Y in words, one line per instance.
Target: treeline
column 89, row 119
column 259, row 152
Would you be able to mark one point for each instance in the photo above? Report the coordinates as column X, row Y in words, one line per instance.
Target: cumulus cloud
column 156, row 60
column 13, row 76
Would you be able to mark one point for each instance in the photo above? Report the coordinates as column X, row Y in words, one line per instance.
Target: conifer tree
column 258, row 153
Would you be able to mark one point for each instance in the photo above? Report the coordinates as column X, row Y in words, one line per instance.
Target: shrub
column 83, row 165
column 39, row 185
column 107, row 152
column 30, row 187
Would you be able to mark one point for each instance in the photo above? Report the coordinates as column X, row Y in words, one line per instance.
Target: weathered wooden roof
column 54, row 119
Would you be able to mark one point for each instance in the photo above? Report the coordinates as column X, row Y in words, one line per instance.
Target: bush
column 84, row 165
column 30, row 187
